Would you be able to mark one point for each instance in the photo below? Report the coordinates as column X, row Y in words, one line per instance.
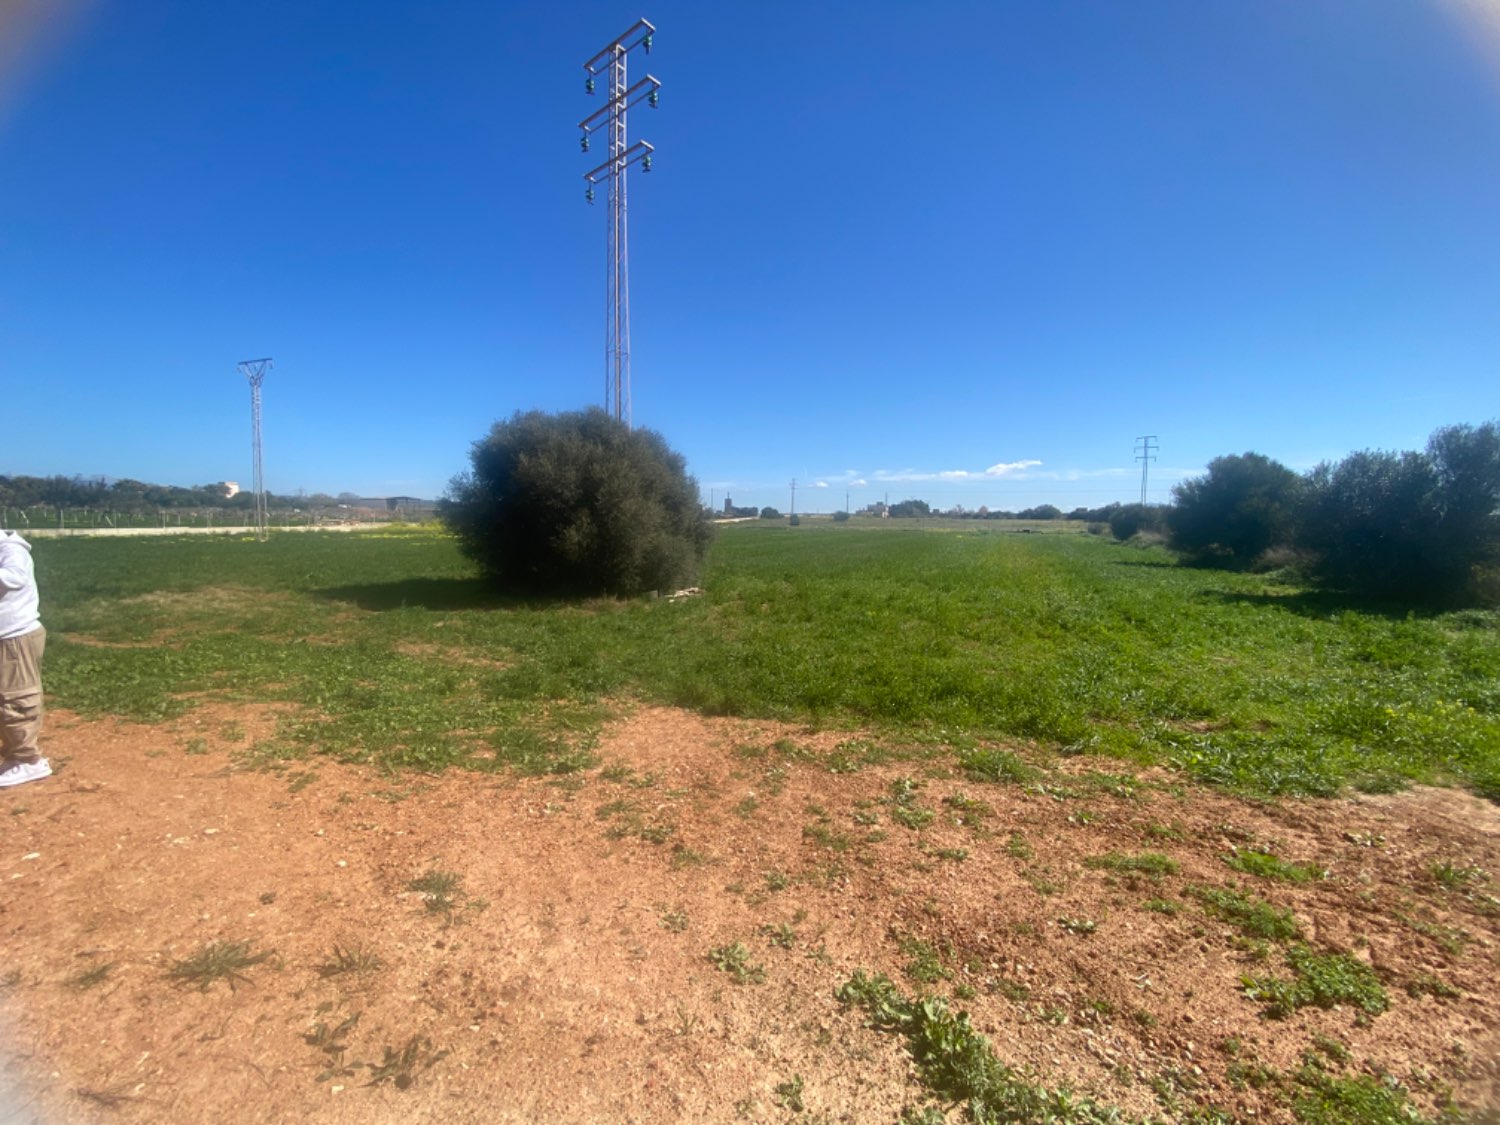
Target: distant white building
column 231, row 488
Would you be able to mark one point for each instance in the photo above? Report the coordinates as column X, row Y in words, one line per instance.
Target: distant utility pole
column 794, row 496
column 255, row 370
column 1145, row 453
column 610, row 117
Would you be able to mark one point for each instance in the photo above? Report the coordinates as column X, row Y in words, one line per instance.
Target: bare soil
column 567, row 976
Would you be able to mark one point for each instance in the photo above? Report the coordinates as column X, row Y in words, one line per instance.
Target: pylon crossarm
column 631, row 97
column 637, row 151
column 635, row 36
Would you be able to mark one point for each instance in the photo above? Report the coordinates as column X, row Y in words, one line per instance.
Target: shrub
column 578, row 503
column 1245, row 504
column 840, row 517
column 1128, row 519
column 1416, row 526
column 769, row 514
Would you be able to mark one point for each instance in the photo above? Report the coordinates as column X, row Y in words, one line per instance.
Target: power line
column 255, row 371
column 610, row 61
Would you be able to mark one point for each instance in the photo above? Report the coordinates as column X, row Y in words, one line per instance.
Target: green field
column 959, row 636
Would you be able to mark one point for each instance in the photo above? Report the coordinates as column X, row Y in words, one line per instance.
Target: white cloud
column 820, row 484
column 1006, row 468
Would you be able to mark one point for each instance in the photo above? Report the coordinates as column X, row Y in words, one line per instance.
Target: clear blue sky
column 889, row 243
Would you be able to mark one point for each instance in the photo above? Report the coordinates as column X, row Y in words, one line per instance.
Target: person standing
column 22, row 639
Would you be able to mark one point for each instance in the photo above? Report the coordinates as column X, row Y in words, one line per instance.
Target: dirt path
column 566, row 974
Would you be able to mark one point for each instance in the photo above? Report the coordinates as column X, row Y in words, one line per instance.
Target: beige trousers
column 21, row 695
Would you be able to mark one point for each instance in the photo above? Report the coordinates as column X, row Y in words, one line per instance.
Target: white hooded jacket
column 20, row 611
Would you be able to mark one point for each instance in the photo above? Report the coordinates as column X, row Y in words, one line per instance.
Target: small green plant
column 923, row 1115
column 1018, row 848
column 912, row 816
column 1163, row 906
column 218, row 960
column 924, row 966
column 674, row 921
column 355, row 959
column 826, row 837
column 1252, row 916
column 196, row 746
column 789, row 1094
column 330, row 1040
column 438, row 890
column 956, row 1063
column 746, row 808
column 1154, row 865
column 735, row 960
column 1158, row 831
column 1318, row 980
column 1264, row 865
column 89, row 978
column 1331, row 1047
column 401, row 1067
column 777, row 881
column 957, row 855
column 1452, row 877
column 781, row 935
column 1339, row 1101
column 1425, row 984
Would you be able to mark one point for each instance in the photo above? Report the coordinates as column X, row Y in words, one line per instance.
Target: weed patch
column 1264, row 865
column 1321, row 980
column 1253, row 917
column 957, row 1063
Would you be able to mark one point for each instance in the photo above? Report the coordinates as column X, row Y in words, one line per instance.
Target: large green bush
column 578, row 503
column 1415, row 526
column 1244, row 505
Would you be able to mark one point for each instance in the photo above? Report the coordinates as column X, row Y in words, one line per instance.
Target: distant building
column 231, row 488
column 728, row 506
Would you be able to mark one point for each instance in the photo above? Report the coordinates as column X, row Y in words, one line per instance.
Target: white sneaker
column 19, row 773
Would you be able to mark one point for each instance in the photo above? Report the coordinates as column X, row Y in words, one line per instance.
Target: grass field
column 960, row 636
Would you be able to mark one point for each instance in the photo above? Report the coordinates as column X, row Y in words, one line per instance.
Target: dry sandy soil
column 568, row 976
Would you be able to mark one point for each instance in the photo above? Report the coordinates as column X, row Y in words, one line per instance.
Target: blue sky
column 956, row 250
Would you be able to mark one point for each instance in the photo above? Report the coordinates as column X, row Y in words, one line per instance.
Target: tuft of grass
column 1162, row 906
column 1018, row 847
column 734, row 959
column 1264, row 865
column 218, row 960
column 1320, row 980
column 355, row 959
column 989, row 763
column 1151, row 864
column 1253, row 917
column 89, row 978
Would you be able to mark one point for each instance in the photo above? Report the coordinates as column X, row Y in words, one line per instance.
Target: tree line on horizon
column 126, row 496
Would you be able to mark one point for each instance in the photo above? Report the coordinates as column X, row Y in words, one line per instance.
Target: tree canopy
column 578, row 503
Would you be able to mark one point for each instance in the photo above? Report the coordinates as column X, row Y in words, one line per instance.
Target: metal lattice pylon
column 255, row 371
column 611, row 119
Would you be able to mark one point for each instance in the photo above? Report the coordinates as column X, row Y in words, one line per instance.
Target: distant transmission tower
column 1145, row 453
column 255, row 370
column 610, row 117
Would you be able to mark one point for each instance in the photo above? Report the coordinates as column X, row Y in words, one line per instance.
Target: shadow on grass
column 425, row 593
column 1329, row 603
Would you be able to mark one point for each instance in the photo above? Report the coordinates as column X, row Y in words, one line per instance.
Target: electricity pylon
column 255, row 370
column 610, row 117
column 1145, row 453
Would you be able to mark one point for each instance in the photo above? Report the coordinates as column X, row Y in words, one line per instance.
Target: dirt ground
column 565, row 974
